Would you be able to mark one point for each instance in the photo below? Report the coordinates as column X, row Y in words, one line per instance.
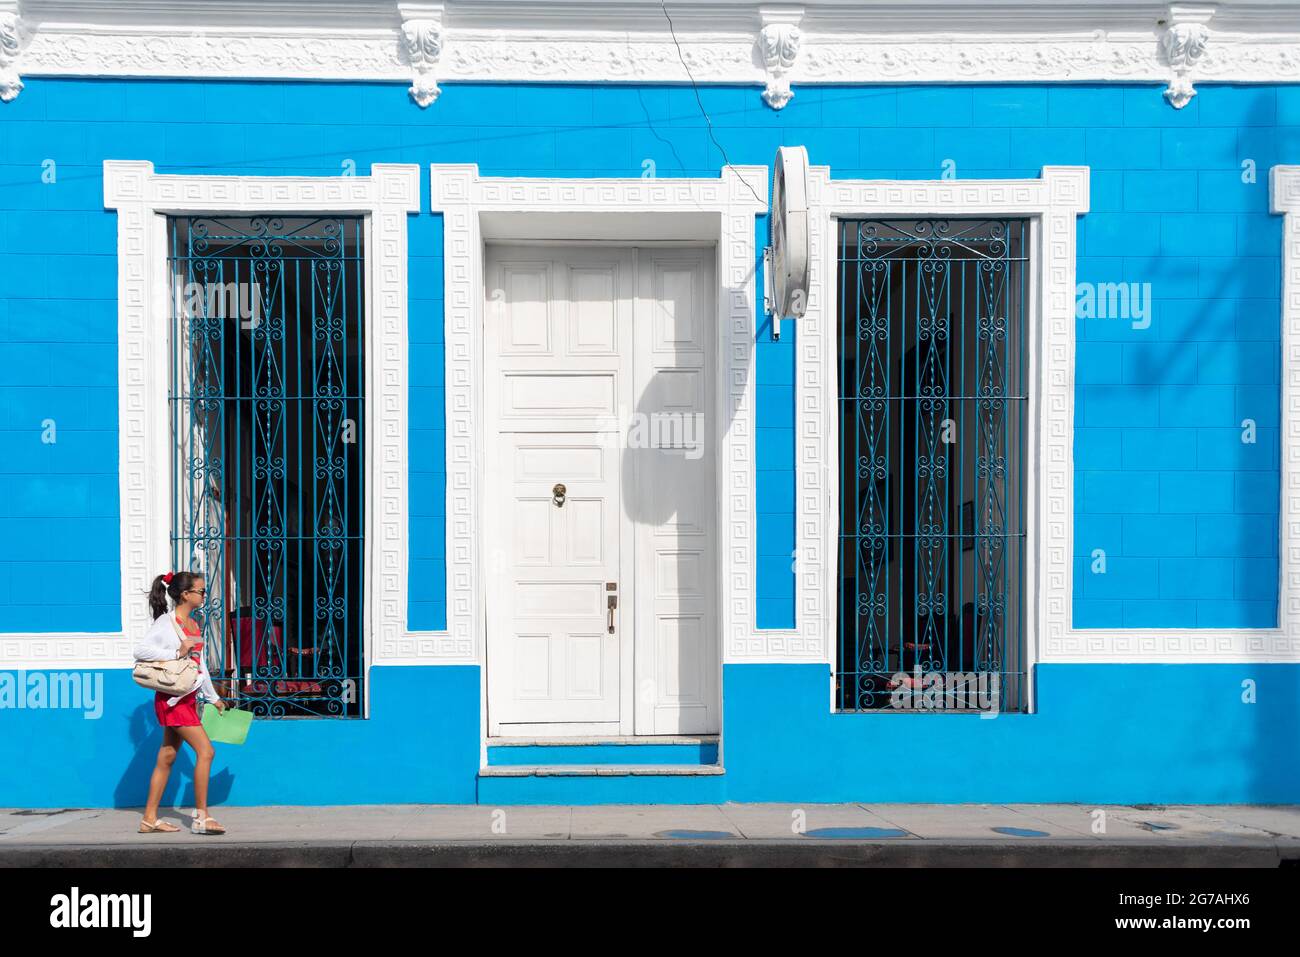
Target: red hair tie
column 167, row 579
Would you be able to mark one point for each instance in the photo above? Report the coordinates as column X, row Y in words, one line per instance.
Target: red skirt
column 184, row 715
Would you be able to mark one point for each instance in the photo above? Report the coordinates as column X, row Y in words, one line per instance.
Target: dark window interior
column 267, row 401
column 932, row 406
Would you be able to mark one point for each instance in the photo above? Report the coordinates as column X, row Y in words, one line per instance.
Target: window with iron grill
column 267, row 400
column 932, row 396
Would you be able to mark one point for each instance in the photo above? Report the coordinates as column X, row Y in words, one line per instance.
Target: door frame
column 720, row 211
column 635, row 617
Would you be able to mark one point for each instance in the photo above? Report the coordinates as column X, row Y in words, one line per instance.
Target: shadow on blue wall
column 145, row 737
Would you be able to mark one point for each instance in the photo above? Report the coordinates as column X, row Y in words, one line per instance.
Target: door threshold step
column 600, row 770
column 570, row 784
column 598, row 752
column 589, row 740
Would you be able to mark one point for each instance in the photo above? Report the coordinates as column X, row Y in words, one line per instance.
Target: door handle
column 557, row 494
column 611, row 603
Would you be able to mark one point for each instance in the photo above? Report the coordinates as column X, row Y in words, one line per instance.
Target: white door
column 599, row 493
column 562, row 641
column 676, row 500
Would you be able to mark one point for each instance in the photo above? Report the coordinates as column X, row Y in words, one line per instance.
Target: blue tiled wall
column 1102, row 735
column 105, row 762
column 1169, row 489
column 1185, row 512
column 1090, row 742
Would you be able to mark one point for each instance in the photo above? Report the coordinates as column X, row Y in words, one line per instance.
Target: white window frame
column 1051, row 204
column 143, row 200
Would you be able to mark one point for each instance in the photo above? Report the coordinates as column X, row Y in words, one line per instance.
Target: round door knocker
column 557, row 494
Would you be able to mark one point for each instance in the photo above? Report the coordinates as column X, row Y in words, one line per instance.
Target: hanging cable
column 703, row 112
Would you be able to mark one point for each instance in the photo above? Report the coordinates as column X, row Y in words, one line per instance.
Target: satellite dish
column 785, row 261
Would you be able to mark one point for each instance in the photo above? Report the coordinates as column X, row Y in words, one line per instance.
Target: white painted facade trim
column 1186, row 645
column 625, row 211
column 142, row 198
column 1175, row 646
column 723, row 41
column 391, row 193
column 1053, row 203
column 1284, row 192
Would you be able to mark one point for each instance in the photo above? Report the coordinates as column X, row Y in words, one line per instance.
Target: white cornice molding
column 724, row 41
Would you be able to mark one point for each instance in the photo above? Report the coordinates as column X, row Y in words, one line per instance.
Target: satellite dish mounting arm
column 785, row 260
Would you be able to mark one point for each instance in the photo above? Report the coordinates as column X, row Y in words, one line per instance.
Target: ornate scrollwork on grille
column 932, row 405
column 267, row 407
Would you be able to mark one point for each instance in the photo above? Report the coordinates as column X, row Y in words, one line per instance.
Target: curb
column 653, row 853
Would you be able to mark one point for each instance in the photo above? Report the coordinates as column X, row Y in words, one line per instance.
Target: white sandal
column 202, row 826
column 159, row 826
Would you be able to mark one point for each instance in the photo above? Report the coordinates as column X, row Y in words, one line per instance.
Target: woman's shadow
column 146, row 737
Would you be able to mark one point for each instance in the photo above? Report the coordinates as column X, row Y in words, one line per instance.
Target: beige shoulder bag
column 174, row 677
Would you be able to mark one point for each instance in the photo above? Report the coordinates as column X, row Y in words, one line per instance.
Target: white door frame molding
column 627, row 211
column 142, row 198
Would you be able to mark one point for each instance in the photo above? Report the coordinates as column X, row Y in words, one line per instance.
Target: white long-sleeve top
column 162, row 642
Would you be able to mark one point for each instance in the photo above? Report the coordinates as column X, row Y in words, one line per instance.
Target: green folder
column 228, row 727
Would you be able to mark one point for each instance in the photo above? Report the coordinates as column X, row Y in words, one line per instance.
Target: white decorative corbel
column 13, row 35
column 1183, row 44
column 778, row 44
column 422, row 37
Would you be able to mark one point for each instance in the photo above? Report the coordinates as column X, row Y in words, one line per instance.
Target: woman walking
column 175, row 635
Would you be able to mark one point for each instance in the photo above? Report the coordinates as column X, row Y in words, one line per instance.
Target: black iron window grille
column 932, row 397
column 267, row 399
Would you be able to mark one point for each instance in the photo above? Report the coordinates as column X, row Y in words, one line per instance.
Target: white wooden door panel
column 677, row 662
column 599, row 378
column 559, row 658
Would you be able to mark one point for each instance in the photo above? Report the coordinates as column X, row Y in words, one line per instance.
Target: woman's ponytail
column 158, row 596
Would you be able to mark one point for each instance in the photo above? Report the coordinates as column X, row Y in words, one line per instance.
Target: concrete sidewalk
column 668, row 835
